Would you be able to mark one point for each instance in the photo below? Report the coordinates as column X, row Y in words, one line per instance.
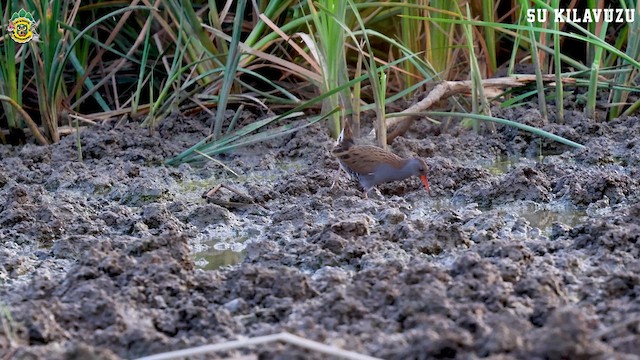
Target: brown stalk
column 30, row 123
column 398, row 126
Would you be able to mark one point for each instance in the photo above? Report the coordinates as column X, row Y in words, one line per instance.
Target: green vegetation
column 298, row 62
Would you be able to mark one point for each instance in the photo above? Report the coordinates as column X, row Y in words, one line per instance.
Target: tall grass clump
column 331, row 54
column 295, row 63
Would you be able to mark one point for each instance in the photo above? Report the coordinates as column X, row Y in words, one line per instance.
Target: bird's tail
column 345, row 140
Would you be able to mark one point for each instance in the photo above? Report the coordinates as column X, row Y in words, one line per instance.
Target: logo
column 586, row 16
column 22, row 27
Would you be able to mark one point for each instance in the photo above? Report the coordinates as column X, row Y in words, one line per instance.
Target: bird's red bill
column 425, row 182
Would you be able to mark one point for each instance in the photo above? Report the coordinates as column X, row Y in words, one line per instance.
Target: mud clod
column 98, row 258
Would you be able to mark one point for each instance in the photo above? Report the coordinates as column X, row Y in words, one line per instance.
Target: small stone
column 392, row 216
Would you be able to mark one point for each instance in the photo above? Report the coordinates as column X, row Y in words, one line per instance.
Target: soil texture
column 527, row 248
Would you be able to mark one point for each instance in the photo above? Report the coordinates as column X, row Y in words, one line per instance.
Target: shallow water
column 500, row 165
column 546, row 217
column 226, row 246
column 215, row 252
column 215, row 259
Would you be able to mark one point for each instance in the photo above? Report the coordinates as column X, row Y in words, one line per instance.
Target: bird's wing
column 363, row 159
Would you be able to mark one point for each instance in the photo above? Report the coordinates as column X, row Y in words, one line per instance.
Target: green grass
column 329, row 50
column 327, row 59
column 11, row 73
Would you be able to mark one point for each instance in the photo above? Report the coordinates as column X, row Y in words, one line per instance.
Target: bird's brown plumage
column 363, row 159
column 371, row 165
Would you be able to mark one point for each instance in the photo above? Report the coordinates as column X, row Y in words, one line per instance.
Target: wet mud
column 526, row 249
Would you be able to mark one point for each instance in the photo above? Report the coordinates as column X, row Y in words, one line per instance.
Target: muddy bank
column 527, row 248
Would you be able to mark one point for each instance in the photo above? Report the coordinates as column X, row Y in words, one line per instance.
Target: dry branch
column 27, row 119
column 399, row 125
column 241, row 343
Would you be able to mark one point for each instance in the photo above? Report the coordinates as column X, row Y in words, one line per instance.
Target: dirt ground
column 527, row 249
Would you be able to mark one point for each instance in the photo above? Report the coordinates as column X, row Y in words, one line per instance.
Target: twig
column 283, row 336
column 604, row 332
column 83, row 119
column 217, row 162
column 211, row 192
column 30, row 123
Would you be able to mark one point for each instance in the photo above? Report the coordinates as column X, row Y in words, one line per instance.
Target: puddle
column 544, row 218
column 540, row 216
column 500, row 165
column 215, row 259
column 222, row 245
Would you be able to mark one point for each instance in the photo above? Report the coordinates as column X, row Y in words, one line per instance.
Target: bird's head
column 418, row 167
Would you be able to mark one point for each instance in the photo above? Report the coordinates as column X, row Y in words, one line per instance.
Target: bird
column 372, row 166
